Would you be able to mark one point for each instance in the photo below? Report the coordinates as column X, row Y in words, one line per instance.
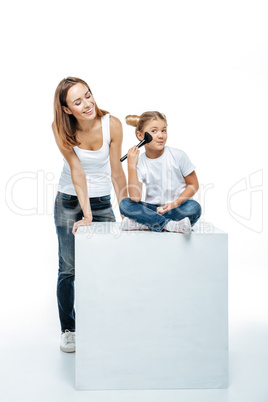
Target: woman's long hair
column 65, row 125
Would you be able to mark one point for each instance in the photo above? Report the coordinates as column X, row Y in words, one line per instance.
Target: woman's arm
column 80, row 185
column 117, row 172
column 192, row 187
column 134, row 186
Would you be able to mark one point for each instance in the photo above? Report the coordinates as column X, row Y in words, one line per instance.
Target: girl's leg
column 188, row 208
column 67, row 211
column 143, row 213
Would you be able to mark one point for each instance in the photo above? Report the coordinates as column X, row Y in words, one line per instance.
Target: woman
column 90, row 142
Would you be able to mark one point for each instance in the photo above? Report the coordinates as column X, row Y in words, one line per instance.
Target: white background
column 202, row 63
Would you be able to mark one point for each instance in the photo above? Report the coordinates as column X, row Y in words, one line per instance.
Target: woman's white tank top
column 96, row 165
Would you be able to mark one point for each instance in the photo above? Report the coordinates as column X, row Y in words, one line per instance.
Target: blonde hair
column 66, row 124
column 140, row 121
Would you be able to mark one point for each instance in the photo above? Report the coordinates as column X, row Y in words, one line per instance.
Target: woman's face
column 158, row 130
column 80, row 103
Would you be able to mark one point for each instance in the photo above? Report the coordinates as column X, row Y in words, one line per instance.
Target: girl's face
column 158, row 130
column 80, row 103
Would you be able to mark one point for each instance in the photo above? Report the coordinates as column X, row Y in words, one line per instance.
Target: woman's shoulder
column 115, row 122
column 115, row 128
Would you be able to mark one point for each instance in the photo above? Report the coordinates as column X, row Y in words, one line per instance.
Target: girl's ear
column 66, row 110
column 140, row 136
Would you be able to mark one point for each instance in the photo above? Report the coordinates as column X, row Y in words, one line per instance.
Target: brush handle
column 123, row 158
column 147, row 138
column 139, row 145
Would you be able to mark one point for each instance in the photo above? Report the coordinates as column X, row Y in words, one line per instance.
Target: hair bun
column 132, row 120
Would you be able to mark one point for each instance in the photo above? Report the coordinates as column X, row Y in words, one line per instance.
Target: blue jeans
column 145, row 213
column 66, row 212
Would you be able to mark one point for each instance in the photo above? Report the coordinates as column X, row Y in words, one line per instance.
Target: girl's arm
column 79, row 182
column 192, row 187
column 117, row 173
column 134, row 186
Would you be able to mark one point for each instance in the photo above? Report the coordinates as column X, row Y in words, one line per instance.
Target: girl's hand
column 133, row 156
column 167, row 207
column 83, row 222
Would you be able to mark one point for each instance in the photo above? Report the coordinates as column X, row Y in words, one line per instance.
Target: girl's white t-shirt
column 164, row 176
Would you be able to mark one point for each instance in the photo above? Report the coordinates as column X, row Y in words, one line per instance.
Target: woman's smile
column 89, row 111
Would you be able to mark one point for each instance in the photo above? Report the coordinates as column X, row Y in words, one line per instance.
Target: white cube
column 151, row 309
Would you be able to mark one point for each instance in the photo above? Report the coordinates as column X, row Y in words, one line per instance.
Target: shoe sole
column 67, row 350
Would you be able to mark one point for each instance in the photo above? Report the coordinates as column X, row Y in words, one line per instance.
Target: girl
column 169, row 177
column 90, row 142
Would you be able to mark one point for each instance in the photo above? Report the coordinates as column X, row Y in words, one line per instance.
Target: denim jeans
column 146, row 214
column 66, row 212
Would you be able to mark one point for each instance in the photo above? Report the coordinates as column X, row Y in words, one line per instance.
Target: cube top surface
column 114, row 228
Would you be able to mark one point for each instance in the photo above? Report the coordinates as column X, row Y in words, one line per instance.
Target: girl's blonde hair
column 139, row 122
column 66, row 124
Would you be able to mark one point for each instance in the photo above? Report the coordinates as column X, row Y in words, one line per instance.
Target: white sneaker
column 67, row 343
column 129, row 224
column 182, row 226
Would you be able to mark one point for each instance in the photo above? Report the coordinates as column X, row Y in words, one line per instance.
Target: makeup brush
column 147, row 138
